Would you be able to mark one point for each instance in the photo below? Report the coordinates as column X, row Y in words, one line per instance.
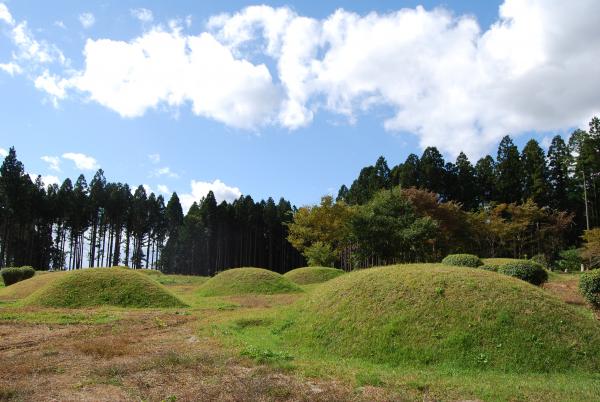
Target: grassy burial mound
column 24, row 288
column 308, row 275
column 104, row 287
column 247, row 280
column 449, row 317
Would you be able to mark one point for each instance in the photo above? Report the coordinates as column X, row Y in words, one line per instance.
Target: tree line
column 566, row 178
column 519, row 204
column 103, row 223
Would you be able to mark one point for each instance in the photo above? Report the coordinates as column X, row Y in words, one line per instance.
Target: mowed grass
column 499, row 261
column 103, row 287
column 264, row 329
column 449, row 317
column 24, row 288
column 310, row 275
column 240, row 281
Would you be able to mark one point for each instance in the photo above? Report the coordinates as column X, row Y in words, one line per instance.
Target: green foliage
column 570, row 260
column 247, row 280
column 541, row 260
column 266, row 355
column 463, row 260
column 103, row 286
column 389, row 228
column 13, row 275
column 589, row 286
column 308, row 275
column 320, row 254
column 396, row 316
column 488, row 267
column 527, row 271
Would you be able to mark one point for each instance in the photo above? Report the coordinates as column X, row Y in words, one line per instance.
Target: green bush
column 528, row 271
column 570, row 260
column 540, row 259
column 589, row 286
column 463, row 260
column 14, row 275
column 488, row 267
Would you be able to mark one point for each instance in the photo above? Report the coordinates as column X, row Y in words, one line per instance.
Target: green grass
column 103, row 286
column 499, row 261
column 446, row 317
column 310, row 275
column 240, row 281
column 24, row 288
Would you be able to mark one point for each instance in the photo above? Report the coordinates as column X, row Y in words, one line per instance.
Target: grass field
column 242, row 347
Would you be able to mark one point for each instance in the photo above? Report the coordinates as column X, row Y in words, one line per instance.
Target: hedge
column 14, row 275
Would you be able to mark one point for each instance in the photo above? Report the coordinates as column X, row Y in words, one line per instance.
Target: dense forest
column 102, row 224
column 519, row 204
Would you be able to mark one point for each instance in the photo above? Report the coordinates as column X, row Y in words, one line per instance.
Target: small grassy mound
column 308, row 275
column 24, row 288
column 448, row 317
column 462, row 260
column 103, row 286
column 247, row 280
column 499, row 261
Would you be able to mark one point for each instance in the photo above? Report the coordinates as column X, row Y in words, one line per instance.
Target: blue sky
column 285, row 99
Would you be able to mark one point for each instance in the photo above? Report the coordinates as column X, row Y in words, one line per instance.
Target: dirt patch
column 152, row 356
column 567, row 290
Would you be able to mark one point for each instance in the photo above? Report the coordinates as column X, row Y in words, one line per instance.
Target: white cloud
column 166, row 68
column 87, row 20
column 82, row 161
column 163, row 189
column 154, row 158
column 147, row 188
column 31, row 50
column 52, row 161
column 3, row 152
column 11, row 68
column 48, row 180
column 164, row 171
column 142, row 14
column 200, row 189
column 429, row 72
column 60, row 24
column 5, row 15
column 53, row 85
column 443, row 78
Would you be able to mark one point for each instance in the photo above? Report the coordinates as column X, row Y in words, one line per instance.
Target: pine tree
column 466, row 189
column 535, row 174
column 509, row 172
column 560, row 161
column 485, row 179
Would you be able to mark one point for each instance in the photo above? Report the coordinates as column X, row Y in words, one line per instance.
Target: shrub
column 528, row 271
column 14, row 275
column 589, row 286
column 320, row 255
column 540, row 259
column 570, row 260
column 463, row 260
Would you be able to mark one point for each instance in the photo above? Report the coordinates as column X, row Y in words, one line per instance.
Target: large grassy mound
column 103, row 286
column 447, row 316
column 308, row 275
column 24, row 288
column 247, row 280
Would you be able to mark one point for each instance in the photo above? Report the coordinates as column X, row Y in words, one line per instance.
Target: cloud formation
column 52, row 161
column 82, row 161
column 200, row 189
column 428, row 72
column 142, row 14
column 87, row 20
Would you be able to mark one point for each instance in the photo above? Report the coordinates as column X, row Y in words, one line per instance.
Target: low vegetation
column 589, row 285
column 309, row 275
column 240, row 281
column 446, row 316
column 103, row 287
column 527, row 271
column 462, row 260
column 13, row 275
